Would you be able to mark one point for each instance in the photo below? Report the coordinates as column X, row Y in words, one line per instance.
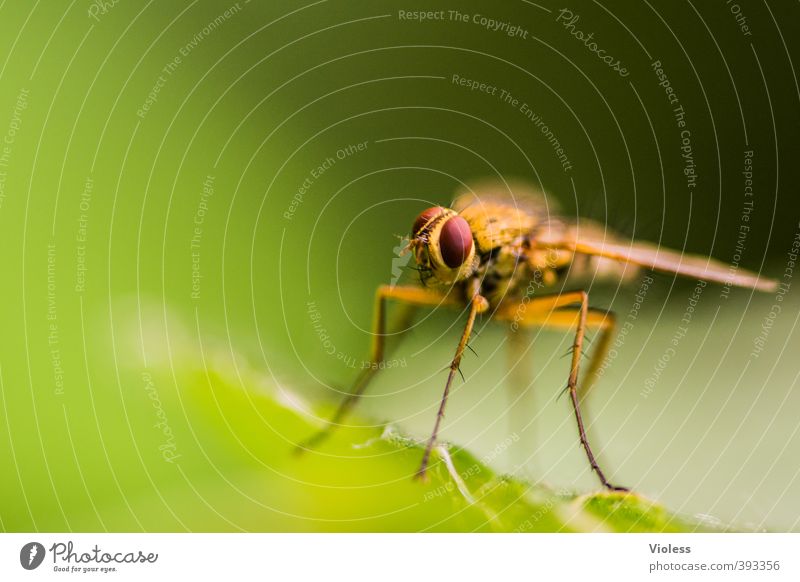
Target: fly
column 491, row 252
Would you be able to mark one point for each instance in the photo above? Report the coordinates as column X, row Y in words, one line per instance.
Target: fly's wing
column 657, row 258
column 511, row 193
column 499, row 212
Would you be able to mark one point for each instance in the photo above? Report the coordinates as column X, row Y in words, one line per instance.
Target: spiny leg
column 478, row 304
column 520, row 382
column 554, row 311
column 411, row 296
column 606, row 322
column 582, row 315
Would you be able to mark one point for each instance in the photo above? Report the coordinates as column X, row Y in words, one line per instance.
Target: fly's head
column 443, row 247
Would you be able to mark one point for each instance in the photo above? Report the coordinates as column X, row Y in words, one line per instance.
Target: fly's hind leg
column 570, row 311
column 605, row 322
column 412, row 297
column 520, row 381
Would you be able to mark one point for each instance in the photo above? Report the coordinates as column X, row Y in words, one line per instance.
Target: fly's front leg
column 412, row 297
column 558, row 311
column 478, row 304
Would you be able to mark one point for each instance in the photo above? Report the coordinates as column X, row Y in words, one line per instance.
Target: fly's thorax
column 444, row 247
column 504, row 271
column 510, row 272
column 496, row 225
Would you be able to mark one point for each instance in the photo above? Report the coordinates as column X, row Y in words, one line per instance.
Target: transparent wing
column 658, row 258
column 514, row 194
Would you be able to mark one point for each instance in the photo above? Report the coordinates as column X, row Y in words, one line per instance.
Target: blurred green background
column 183, row 268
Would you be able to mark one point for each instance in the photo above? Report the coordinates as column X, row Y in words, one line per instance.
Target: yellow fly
column 490, row 249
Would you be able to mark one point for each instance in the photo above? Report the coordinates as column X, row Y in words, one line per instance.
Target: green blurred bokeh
column 154, row 235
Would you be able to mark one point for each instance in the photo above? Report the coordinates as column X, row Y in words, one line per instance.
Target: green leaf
column 361, row 478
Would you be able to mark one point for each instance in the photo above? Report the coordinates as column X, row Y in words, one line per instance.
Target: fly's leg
column 410, row 296
column 520, row 385
column 559, row 311
column 478, row 304
column 566, row 319
column 606, row 322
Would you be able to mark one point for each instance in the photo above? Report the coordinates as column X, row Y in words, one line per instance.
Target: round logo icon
column 31, row 555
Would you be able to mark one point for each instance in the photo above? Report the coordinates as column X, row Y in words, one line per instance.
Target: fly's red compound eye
column 425, row 217
column 455, row 241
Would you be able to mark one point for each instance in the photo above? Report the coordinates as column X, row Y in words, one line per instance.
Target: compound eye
column 426, row 217
column 455, row 241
